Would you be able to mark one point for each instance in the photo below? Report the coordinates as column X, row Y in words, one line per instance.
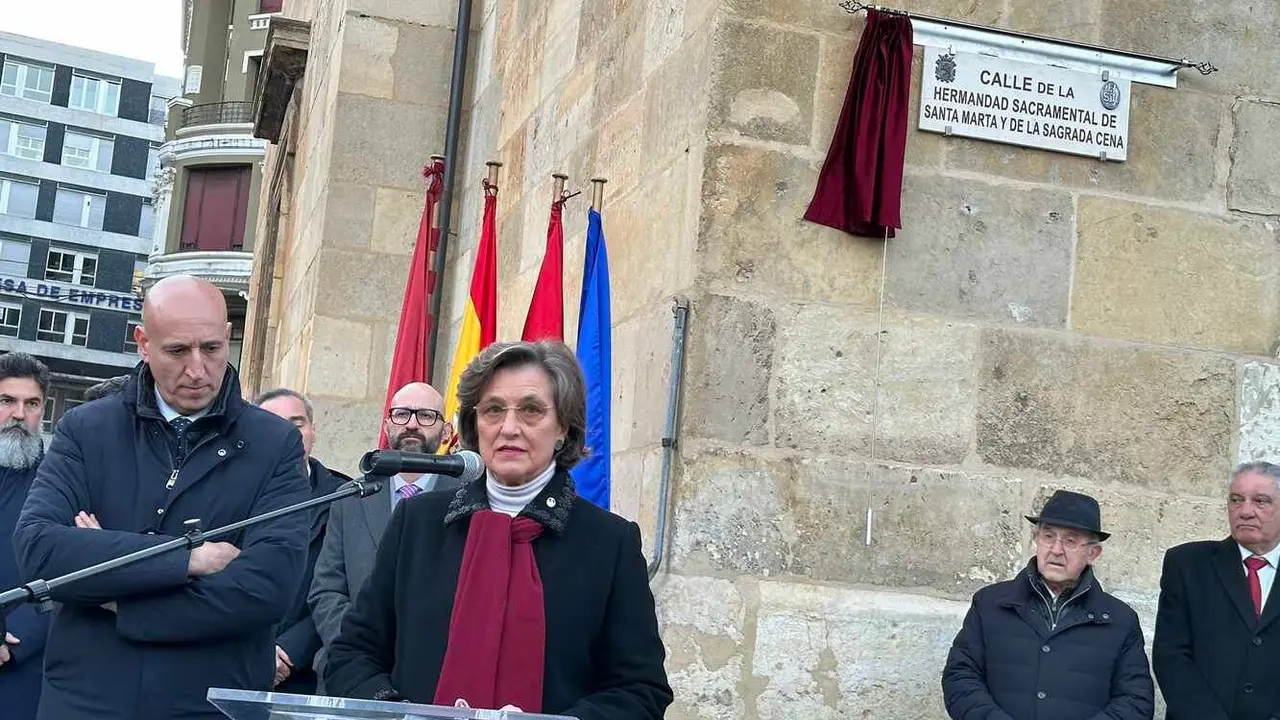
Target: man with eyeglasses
column 1050, row 644
column 414, row 424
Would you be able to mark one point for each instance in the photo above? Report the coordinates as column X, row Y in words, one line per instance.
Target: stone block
column 338, row 358
column 729, row 401
column 641, row 385
column 651, row 234
column 822, row 16
column 619, row 60
column 1254, row 186
column 1237, row 37
column 753, row 238
column 825, row 385
column 1206, row 281
column 420, row 12
column 619, row 145
column 763, row 87
column 397, row 215
column 663, row 32
column 1157, row 418
column 965, row 527
column 703, row 623
column 1143, row 526
column 1172, row 133
column 367, row 46
column 675, row 99
column 375, row 135
column 732, row 513
column 1076, row 21
column 382, row 346
column 982, row 251
column 1259, row 413
column 559, row 56
column 828, row 652
column 345, row 430
column 360, row 285
column 417, row 49
column 348, row 215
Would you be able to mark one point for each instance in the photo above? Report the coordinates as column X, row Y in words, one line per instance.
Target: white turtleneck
column 511, row 500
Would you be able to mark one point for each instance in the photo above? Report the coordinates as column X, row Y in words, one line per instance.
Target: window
column 71, row 267
column 213, row 216
column 10, row 319
column 14, row 256
column 46, row 422
column 159, row 110
column 139, row 270
column 27, row 80
column 147, row 221
column 63, row 327
column 153, row 162
column 72, row 207
column 94, row 95
column 129, row 345
column 87, row 151
column 18, row 197
column 22, row 139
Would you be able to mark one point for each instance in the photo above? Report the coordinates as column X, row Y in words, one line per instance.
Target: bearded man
column 414, row 423
column 24, row 382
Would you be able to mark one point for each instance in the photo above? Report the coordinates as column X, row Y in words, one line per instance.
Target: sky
column 148, row 30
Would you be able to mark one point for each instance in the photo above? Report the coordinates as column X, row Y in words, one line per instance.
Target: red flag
column 546, row 310
column 409, row 363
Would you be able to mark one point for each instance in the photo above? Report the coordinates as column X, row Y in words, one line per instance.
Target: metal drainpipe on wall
column 681, row 312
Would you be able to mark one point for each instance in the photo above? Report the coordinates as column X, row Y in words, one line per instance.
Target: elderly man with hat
column 1050, row 644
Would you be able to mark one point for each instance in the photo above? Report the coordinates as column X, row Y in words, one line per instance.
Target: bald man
column 414, row 423
column 146, row 642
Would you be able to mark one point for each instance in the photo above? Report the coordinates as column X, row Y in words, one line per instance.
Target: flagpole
column 597, row 192
column 557, row 191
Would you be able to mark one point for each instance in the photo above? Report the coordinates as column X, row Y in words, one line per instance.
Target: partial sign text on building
column 1020, row 103
column 68, row 294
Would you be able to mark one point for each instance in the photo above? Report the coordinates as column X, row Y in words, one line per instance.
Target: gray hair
column 568, row 391
column 286, row 392
column 1260, row 467
column 107, row 387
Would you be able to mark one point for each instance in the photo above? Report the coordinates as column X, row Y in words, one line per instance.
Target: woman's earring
column 559, row 444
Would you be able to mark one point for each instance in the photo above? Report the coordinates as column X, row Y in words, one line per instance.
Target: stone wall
column 1048, row 321
column 1042, row 321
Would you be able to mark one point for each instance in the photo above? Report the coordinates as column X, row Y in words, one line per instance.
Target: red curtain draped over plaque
column 860, row 187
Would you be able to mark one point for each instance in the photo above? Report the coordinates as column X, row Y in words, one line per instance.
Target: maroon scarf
column 497, row 635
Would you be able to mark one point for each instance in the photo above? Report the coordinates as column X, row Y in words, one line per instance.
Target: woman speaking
column 510, row 592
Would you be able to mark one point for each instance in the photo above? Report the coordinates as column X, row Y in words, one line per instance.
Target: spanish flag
column 480, row 317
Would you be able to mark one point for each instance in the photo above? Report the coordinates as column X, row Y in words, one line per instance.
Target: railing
column 217, row 114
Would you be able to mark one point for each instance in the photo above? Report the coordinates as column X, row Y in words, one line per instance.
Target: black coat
column 604, row 656
column 1214, row 658
column 1011, row 661
column 173, row 636
column 20, row 677
column 297, row 632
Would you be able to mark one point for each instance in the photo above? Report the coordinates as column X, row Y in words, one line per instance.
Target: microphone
column 385, row 463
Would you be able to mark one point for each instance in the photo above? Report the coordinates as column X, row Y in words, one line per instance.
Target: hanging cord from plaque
column 875, row 402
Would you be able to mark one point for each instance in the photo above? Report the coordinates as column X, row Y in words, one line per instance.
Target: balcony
column 221, row 113
column 228, row 269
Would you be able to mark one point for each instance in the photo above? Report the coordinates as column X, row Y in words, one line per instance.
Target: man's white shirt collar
column 170, row 414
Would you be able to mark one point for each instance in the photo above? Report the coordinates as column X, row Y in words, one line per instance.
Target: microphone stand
column 37, row 591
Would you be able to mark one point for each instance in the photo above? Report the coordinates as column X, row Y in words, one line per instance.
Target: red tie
column 1255, row 585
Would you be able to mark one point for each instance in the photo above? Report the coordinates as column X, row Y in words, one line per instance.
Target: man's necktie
column 407, row 491
column 180, row 426
column 1255, row 584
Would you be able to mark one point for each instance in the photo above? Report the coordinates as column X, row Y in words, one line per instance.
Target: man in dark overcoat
column 1050, row 644
column 1217, row 644
column 123, row 473
column 24, row 384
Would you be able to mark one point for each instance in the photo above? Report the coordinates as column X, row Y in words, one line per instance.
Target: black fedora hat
column 1072, row 510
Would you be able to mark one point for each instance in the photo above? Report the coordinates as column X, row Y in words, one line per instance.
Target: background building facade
column 1048, row 321
column 207, row 195
column 79, row 138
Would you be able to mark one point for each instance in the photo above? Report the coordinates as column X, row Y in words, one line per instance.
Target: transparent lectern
column 250, row 705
